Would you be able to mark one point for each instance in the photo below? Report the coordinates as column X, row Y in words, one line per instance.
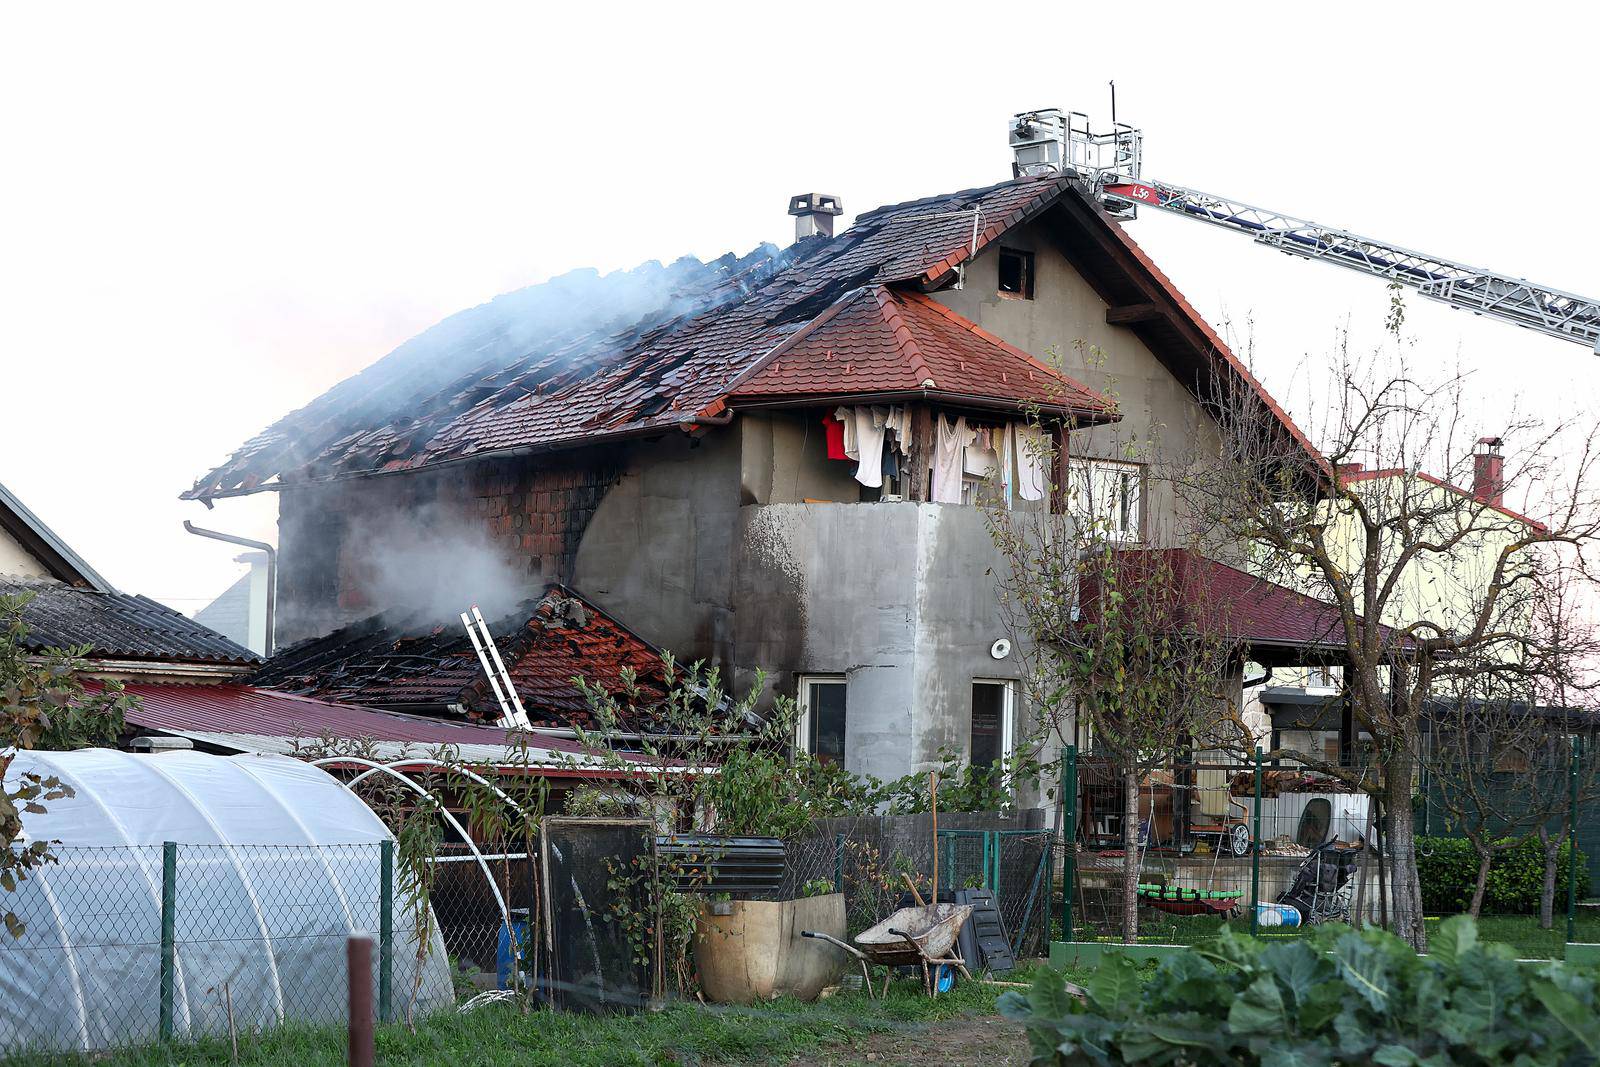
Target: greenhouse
column 199, row 894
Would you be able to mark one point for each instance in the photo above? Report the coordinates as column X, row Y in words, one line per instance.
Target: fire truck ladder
column 1119, row 187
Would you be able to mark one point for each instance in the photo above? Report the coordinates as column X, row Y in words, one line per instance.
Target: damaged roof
column 119, row 626
column 556, row 366
column 888, row 341
column 398, row 663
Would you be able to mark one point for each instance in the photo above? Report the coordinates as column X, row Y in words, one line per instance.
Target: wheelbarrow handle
column 830, row 939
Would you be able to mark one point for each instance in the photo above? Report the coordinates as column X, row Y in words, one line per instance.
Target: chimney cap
column 1490, row 444
column 815, row 204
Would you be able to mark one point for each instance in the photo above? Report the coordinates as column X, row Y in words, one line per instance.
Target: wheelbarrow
column 921, row 936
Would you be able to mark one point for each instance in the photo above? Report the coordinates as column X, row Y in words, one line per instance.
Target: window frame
column 1008, row 716
column 1028, row 261
column 803, row 739
column 1087, row 467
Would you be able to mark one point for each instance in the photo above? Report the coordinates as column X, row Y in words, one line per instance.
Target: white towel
column 1031, row 460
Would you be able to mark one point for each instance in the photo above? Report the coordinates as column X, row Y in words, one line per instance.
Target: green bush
column 1448, row 867
column 1339, row 996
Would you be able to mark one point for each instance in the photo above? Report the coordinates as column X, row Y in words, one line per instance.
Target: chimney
column 813, row 214
column 1348, row 470
column 1489, row 471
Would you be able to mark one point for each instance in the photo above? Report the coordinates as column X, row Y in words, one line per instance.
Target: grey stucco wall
column 896, row 597
column 658, row 552
column 1161, row 422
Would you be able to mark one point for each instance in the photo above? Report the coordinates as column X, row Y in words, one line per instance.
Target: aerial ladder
column 1108, row 166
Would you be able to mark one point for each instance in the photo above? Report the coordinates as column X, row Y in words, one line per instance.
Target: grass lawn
column 681, row 1034
column 1521, row 932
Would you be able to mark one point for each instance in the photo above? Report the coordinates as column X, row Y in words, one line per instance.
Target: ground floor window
column 820, row 730
column 992, row 722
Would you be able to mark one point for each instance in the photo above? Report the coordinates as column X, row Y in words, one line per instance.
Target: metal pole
column 838, row 863
column 1255, row 853
column 1069, row 835
column 386, row 930
column 358, row 957
column 1572, row 843
column 169, row 925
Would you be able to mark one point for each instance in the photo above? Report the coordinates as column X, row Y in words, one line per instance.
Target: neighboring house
column 1303, row 707
column 240, row 613
column 130, row 637
column 680, row 460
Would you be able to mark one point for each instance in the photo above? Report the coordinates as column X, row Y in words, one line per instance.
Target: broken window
column 1016, row 274
column 820, row 730
column 1107, row 496
column 990, row 735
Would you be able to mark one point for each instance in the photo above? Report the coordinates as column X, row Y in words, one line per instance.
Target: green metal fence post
column 1069, row 835
column 838, row 863
column 169, row 927
column 386, row 930
column 1255, row 852
column 1572, row 843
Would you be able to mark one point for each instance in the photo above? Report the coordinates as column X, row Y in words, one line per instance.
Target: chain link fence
column 1272, row 849
column 134, row 945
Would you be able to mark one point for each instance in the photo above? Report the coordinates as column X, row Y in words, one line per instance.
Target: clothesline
column 877, row 438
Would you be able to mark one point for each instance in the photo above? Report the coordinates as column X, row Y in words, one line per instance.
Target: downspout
column 272, row 571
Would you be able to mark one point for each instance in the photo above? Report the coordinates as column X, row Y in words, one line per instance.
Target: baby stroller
column 1323, row 886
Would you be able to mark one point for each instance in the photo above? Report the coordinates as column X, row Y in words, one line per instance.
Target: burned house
column 765, row 462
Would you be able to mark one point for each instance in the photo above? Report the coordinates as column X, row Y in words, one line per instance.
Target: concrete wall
column 896, row 597
column 1066, row 320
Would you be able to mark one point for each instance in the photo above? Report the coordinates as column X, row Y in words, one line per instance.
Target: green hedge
column 1448, row 867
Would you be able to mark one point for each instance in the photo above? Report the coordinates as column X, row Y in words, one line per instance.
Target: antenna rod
column 1113, row 84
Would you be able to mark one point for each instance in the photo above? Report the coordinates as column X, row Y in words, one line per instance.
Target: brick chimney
column 814, row 214
column 1489, row 472
column 1349, row 470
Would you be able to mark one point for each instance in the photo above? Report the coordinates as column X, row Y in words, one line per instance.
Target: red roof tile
column 1349, row 476
column 882, row 340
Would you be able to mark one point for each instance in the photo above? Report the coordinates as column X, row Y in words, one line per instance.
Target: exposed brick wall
column 533, row 510
column 538, row 513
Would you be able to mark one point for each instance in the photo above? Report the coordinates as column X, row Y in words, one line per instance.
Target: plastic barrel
column 1277, row 915
column 502, row 952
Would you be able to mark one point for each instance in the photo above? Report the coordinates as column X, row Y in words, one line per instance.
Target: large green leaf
column 1114, row 986
column 1260, row 1009
column 1048, row 998
column 1569, row 1012
column 1296, row 967
column 1364, row 968
column 1455, row 937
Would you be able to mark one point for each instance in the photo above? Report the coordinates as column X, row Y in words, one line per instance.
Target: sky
column 211, row 213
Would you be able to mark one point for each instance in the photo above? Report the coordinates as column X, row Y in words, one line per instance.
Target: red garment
column 835, row 435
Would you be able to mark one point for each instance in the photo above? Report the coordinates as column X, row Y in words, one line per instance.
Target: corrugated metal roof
column 247, row 712
column 117, row 625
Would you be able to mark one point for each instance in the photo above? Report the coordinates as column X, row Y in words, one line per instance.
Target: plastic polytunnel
column 275, row 865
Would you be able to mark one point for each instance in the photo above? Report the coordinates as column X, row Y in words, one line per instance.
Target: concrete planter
column 755, row 951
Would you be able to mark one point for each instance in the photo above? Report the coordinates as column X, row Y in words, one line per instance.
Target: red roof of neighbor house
column 1252, row 611
column 882, row 340
column 1348, row 476
column 248, row 710
column 400, row 662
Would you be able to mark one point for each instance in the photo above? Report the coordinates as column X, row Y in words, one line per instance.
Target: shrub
column 1340, row 996
column 1448, row 867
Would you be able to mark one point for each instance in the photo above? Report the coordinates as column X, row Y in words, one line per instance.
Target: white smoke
column 433, row 563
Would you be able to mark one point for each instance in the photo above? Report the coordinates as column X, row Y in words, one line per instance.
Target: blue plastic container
column 503, row 963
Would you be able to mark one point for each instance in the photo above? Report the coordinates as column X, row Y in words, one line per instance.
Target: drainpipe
column 272, row 571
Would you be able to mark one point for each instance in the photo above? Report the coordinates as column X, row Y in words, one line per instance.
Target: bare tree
column 1115, row 641
column 1375, row 527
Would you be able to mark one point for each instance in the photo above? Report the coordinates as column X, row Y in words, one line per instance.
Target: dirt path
column 971, row 1041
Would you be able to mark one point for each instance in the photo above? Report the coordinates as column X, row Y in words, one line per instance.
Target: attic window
column 1016, row 274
